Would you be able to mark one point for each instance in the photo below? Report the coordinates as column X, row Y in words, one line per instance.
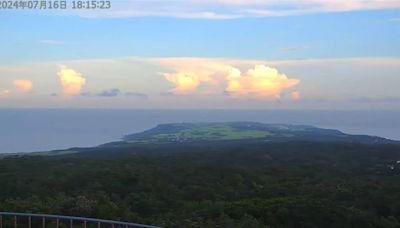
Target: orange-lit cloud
column 71, row 80
column 184, row 82
column 216, row 76
column 191, row 73
column 23, row 85
column 261, row 81
column 295, row 95
column 4, row 93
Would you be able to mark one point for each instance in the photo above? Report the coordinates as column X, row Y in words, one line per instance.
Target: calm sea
column 27, row 130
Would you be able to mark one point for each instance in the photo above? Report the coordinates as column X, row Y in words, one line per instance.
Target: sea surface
column 28, row 130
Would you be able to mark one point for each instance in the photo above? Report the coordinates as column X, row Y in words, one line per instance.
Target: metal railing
column 11, row 219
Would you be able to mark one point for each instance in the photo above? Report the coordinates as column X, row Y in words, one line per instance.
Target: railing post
column 43, row 222
column 84, row 224
column 1, row 221
column 71, row 223
column 57, row 223
column 15, row 221
column 98, row 225
column 29, row 222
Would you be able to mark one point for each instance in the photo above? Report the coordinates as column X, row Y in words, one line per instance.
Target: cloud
column 261, row 81
column 4, row 93
column 87, row 94
column 298, row 7
column 194, row 74
column 136, row 95
column 232, row 9
column 71, row 81
column 167, row 94
column 213, row 77
column 384, row 99
column 105, row 93
column 109, row 93
column 115, row 92
column 185, row 82
column 23, row 85
column 295, row 95
column 210, row 15
column 321, row 83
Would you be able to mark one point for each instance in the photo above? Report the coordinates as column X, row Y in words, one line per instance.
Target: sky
column 220, row 54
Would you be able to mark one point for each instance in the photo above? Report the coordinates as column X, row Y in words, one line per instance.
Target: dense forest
column 214, row 184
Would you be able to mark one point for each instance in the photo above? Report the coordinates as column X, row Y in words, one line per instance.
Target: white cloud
column 231, row 9
column 210, row 76
column 261, row 81
column 297, row 7
column 71, row 80
column 184, row 82
column 192, row 73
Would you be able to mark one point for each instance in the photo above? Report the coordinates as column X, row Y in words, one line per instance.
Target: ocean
column 29, row 130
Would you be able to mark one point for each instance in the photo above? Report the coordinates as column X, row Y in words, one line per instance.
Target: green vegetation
column 214, row 184
column 241, row 174
column 192, row 132
column 200, row 132
column 218, row 132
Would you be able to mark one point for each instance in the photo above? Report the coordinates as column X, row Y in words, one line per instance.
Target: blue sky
column 327, row 35
column 156, row 40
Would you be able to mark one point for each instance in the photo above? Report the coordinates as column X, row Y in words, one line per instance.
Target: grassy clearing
column 212, row 132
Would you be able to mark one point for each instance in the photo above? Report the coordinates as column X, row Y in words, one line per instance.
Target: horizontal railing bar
column 82, row 219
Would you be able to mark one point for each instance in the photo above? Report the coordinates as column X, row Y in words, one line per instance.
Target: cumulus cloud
column 23, row 85
column 212, row 76
column 192, row 74
column 261, row 81
column 71, row 80
column 184, row 82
